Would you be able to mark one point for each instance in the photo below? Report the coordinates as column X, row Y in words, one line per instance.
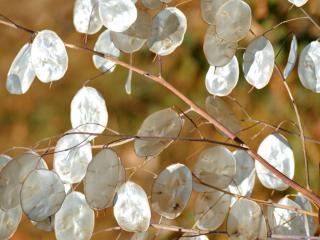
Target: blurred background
column 44, row 110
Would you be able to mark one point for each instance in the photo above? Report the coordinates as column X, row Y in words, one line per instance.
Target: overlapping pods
column 243, row 182
column 105, row 45
column 72, row 156
column 9, row 219
column 75, row 219
column 276, row 150
column 89, row 112
column 117, row 15
column 135, row 37
column 211, row 209
column 131, row 208
column 221, row 111
column 215, row 167
column 218, row 51
column 168, row 29
column 86, row 17
column 246, row 221
column 49, row 56
column 171, row 191
column 220, row 81
column 165, row 124
column 286, row 221
column 42, row 194
column 104, row 175
column 13, row 175
column 233, row 20
column 21, row 73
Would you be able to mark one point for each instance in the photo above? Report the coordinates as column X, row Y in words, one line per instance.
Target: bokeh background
column 44, row 110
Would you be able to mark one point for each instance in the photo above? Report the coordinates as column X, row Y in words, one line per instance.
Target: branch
column 306, row 192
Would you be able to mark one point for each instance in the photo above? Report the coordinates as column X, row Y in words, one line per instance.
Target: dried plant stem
column 306, row 192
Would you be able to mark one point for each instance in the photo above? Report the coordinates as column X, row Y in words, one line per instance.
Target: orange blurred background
column 44, row 110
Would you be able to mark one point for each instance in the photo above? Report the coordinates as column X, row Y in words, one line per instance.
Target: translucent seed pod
column 209, row 9
column 276, row 150
column 135, row 37
column 164, row 123
column 89, row 112
column 71, row 158
column 216, row 167
column 13, row 175
column 86, row 18
column 220, row 81
column 9, row 221
column 221, row 111
column 246, row 221
column 105, row 45
column 152, row 4
column 171, row 191
column 49, row 56
column 308, row 70
column 285, row 221
column 75, row 219
column 233, row 20
column 218, row 52
column 168, row 29
column 117, row 15
column 258, row 62
column 131, row 208
column 21, row 73
column 211, row 210
column 243, row 182
column 292, row 59
column 104, row 176
column 298, row 3
column 42, row 194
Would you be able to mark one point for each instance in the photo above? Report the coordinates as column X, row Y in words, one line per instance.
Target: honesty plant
column 222, row 178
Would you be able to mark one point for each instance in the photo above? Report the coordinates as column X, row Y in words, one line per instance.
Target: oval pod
column 292, row 59
column 298, row 3
column 9, row 221
column 191, row 236
column 308, row 70
column 233, row 20
column 131, row 208
column 211, row 209
column 218, row 52
column 72, row 156
column 171, row 191
column 86, row 17
column 117, row 15
column 21, row 73
column 243, row 182
column 258, row 62
column 163, row 123
column 221, row 111
column 75, row 219
column 215, row 166
column 209, row 10
column 135, row 37
column 246, row 221
column 221, row 81
column 168, row 29
column 104, row 175
column 89, row 111
column 4, row 159
column 105, row 45
column 285, row 221
column 13, row 175
column 276, row 150
column 42, row 194
column 49, row 56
